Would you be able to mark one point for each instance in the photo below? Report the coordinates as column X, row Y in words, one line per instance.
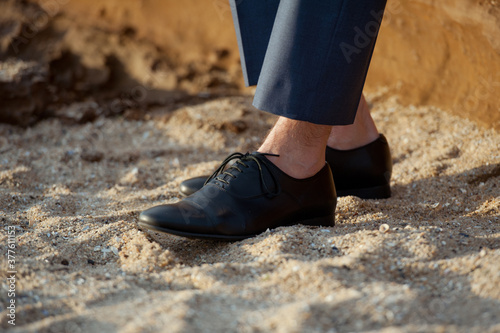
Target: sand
column 425, row 260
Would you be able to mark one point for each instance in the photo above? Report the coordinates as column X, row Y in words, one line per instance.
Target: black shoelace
column 241, row 158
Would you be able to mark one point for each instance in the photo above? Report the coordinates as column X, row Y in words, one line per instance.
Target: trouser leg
column 317, row 55
column 253, row 23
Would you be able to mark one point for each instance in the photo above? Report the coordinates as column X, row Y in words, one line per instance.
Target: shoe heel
column 377, row 192
column 325, row 221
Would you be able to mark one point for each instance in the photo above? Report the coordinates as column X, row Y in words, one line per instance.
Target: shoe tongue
column 250, row 182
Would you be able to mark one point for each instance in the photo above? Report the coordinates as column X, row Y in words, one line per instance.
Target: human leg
column 317, row 59
column 300, row 146
column 358, row 155
column 360, row 133
column 304, row 80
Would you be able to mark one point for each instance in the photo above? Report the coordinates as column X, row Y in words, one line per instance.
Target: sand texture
column 425, row 260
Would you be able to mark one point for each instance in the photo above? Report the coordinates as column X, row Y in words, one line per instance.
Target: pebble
column 384, row 228
column 114, row 250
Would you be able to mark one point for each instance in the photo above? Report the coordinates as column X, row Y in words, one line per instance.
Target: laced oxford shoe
column 249, row 197
column 364, row 172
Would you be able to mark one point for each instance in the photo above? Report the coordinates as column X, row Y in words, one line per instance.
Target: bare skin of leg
column 301, row 145
column 361, row 133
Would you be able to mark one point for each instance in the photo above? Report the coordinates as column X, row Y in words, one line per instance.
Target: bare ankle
column 300, row 146
column 359, row 134
column 296, row 168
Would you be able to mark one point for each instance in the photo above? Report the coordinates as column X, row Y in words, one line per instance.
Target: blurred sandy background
column 106, row 106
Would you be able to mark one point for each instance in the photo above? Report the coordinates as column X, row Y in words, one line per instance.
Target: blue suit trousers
column 308, row 58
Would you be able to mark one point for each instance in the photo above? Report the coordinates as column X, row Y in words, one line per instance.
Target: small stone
column 384, row 228
column 92, row 156
column 236, row 126
column 175, row 162
column 97, row 248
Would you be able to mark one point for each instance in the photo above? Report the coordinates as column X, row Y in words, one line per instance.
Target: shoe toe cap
column 182, row 216
column 192, row 185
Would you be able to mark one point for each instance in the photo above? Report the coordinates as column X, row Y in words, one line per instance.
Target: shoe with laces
column 364, row 172
column 249, row 197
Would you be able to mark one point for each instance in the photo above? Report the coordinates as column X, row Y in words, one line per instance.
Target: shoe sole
column 326, row 221
column 377, row 192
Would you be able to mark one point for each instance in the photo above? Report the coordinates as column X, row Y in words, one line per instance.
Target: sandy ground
column 425, row 260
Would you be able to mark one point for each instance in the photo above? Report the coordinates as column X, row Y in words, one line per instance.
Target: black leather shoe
column 249, row 197
column 363, row 172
